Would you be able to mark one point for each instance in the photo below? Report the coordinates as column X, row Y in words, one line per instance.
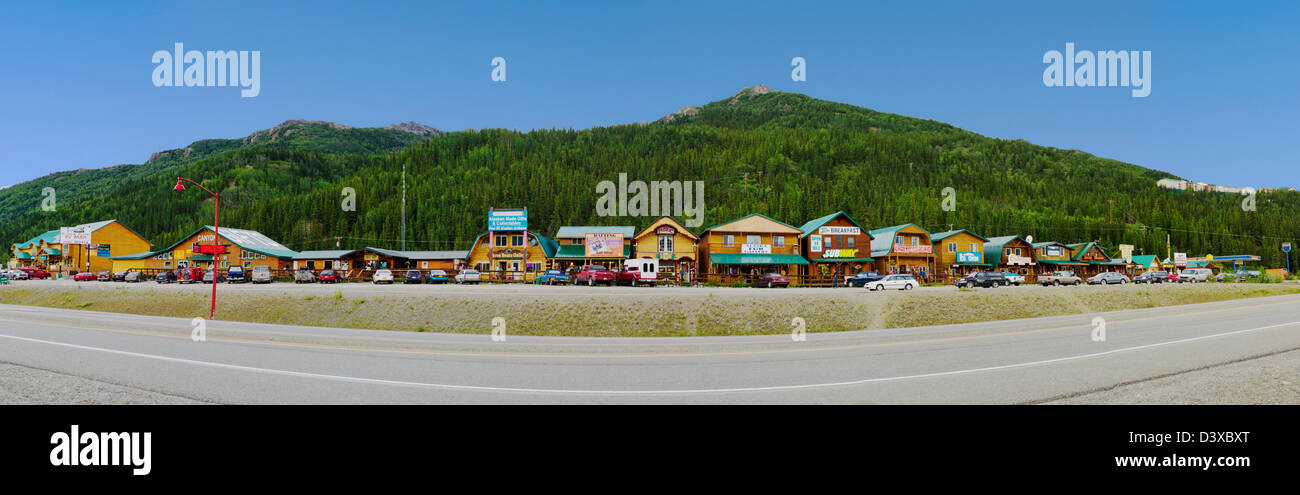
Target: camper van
column 639, row 271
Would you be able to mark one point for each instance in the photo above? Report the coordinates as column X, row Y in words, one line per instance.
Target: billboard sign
column 507, row 220
column 70, row 235
column 604, row 245
column 1180, row 260
column 970, row 257
column 1126, row 252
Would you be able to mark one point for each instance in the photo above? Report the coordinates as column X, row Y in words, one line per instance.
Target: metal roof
column 322, row 255
column 582, row 231
column 756, row 259
column 255, row 241
column 814, row 224
column 882, row 240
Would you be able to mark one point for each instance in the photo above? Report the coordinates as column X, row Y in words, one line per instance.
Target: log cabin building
column 958, row 253
column 835, row 245
column 903, row 249
column 747, row 247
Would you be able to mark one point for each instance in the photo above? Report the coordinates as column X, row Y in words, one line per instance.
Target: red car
column 36, row 273
column 772, row 280
column 594, row 274
column 329, row 277
column 84, row 277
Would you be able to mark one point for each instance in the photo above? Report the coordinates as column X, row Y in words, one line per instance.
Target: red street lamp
column 216, row 238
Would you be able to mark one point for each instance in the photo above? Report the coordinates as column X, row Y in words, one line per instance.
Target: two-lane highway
column 995, row 362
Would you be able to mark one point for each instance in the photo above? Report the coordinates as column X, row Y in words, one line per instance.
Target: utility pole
column 403, row 205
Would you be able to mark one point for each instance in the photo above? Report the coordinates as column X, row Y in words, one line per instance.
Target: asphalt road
column 1015, row 361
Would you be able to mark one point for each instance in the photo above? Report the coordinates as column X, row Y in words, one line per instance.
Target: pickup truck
column 1060, row 278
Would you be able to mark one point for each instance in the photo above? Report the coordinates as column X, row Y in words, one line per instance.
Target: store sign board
column 508, row 220
column 666, row 230
column 815, row 243
column 831, row 230
column 1180, row 260
column 1126, row 252
column 755, row 249
column 69, row 235
column 970, row 257
column 604, row 245
column 1054, row 251
column 840, row 253
column 1019, row 260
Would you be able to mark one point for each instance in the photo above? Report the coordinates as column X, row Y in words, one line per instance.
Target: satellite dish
column 1029, row 239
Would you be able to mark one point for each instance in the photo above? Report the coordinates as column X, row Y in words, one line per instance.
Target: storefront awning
column 756, row 259
column 579, row 252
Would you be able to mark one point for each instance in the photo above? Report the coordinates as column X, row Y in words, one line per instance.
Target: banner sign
column 839, row 231
column 1126, row 252
column 604, row 245
column 970, row 257
column 755, row 249
column 69, row 235
column 508, row 220
column 814, row 243
column 1180, row 260
column 917, row 249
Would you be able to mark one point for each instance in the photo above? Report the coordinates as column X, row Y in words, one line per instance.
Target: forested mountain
column 786, row 155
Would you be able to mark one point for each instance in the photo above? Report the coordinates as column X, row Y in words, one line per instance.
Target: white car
column 1194, row 275
column 17, row 275
column 382, row 277
column 1014, row 278
column 468, row 276
column 899, row 281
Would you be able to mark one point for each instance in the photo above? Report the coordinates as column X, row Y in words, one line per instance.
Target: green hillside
column 786, row 155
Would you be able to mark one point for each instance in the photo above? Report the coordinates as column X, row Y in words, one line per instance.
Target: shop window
column 972, row 248
column 778, row 241
column 898, row 240
column 728, row 240
column 952, row 247
column 850, row 242
column 916, row 241
column 167, row 264
column 501, row 240
column 753, row 239
column 517, row 240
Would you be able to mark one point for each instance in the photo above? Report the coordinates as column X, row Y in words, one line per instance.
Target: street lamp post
column 216, row 238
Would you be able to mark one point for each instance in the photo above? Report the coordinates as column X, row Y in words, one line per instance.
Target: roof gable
column 666, row 220
column 754, row 222
column 812, row 225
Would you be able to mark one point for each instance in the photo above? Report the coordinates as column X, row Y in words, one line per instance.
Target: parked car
column 413, row 277
column 382, row 277
column 552, row 277
column 640, row 271
column 594, row 274
column 1173, row 275
column 468, row 276
column 770, row 280
column 1194, row 275
column 207, row 277
column 304, row 276
column 135, row 277
column 36, row 273
column 1014, row 278
column 119, row 276
column 437, row 277
column 329, row 277
column 1108, row 278
column 262, row 275
column 863, row 278
column 18, row 275
column 900, row 281
column 1152, row 277
column 84, row 277
column 165, row 277
column 104, row 276
column 1064, row 277
column 982, row 279
column 236, row 275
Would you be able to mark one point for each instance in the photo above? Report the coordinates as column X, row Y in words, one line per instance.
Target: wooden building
column 108, row 238
column 1052, row 256
column 1096, row 258
column 672, row 244
column 835, row 246
column 246, row 248
column 592, row 245
column 28, row 254
column 749, row 246
column 903, row 248
column 1010, row 254
column 511, row 256
column 363, row 262
column 958, row 253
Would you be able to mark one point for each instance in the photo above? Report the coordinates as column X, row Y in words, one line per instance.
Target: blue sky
column 76, row 87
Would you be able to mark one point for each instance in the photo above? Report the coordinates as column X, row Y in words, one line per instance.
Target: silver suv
column 262, row 275
column 1194, row 275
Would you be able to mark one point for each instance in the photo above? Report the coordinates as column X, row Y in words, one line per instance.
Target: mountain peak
column 416, row 128
column 287, row 127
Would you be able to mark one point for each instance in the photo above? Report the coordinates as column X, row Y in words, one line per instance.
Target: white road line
column 475, row 388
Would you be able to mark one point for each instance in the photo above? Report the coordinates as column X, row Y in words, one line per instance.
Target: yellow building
column 246, row 248
column 957, row 253
column 108, row 239
column 666, row 240
column 511, row 256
